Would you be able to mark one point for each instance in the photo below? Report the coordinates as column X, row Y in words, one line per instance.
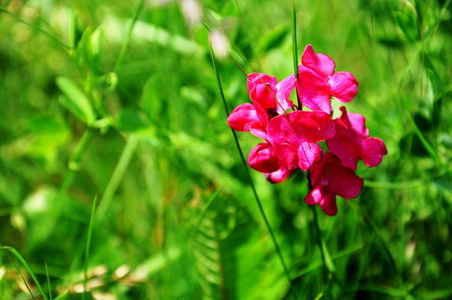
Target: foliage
column 121, row 100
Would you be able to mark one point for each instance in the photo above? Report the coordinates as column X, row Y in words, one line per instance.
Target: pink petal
column 341, row 180
column 343, row 86
column 354, row 121
column 283, row 90
column 312, row 126
column 372, row 151
column 308, row 153
column 314, row 197
column 324, row 198
column 318, row 62
column 344, row 146
column 313, row 90
column 278, row 176
column 283, row 137
column 262, row 89
column 262, row 158
column 261, row 114
column 242, row 116
column 328, row 204
column 258, row 130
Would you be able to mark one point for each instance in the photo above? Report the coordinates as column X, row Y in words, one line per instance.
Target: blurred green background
column 119, row 100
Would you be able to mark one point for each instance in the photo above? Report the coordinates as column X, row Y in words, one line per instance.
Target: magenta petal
column 344, row 146
column 324, row 198
column 285, row 140
column 314, row 197
column 312, row 126
column 342, row 181
column 262, row 89
column 372, row 151
column 261, row 114
column 320, row 63
column 262, row 158
column 328, row 204
column 354, row 121
column 278, row 176
column 308, row 153
column 343, row 86
column 283, row 90
column 242, row 116
column 313, row 90
column 257, row 130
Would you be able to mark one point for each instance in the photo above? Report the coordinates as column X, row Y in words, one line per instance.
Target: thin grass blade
column 88, row 245
column 270, row 230
column 27, row 267
column 428, row 147
column 49, row 288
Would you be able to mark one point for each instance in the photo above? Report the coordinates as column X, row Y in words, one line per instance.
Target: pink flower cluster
column 291, row 136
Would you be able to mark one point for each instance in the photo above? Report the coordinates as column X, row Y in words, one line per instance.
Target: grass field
column 120, row 177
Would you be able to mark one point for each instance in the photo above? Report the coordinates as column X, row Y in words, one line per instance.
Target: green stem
column 124, row 47
column 294, row 40
column 117, row 176
column 320, row 242
column 74, row 161
column 88, row 245
column 261, row 209
column 36, row 28
column 295, row 51
column 49, row 288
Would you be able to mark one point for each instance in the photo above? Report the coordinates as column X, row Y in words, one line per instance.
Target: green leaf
column 151, row 102
column 27, row 267
column 443, row 182
column 407, row 20
column 129, row 120
column 435, row 79
column 272, row 39
column 96, row 42
column 230, row 254
column 328, row 260
column 75, row 100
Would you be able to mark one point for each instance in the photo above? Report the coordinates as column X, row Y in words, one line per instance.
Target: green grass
column 120, row 99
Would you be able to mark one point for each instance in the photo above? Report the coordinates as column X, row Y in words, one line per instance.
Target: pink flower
column 249, row 117
column 263, row 158
column 262, row 89
column 242, row 116
column 294, row 137
column 330, row 178
column 352, row 142
column 279, row 176
column 317, row 81
column 283, row 90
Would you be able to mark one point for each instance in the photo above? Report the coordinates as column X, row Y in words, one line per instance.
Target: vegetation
column 120, row 177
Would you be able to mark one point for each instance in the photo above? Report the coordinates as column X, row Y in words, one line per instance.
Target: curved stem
column 261, row 209
column 127, row 39
column 320, row 242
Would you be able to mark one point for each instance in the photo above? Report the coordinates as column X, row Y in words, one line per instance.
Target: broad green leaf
column 96, row 42
column 130, row 121
column 443, row 182
column 407, row 20
column 151, row 102
column 75, row 100
column 328, row 260
column 272, row 39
